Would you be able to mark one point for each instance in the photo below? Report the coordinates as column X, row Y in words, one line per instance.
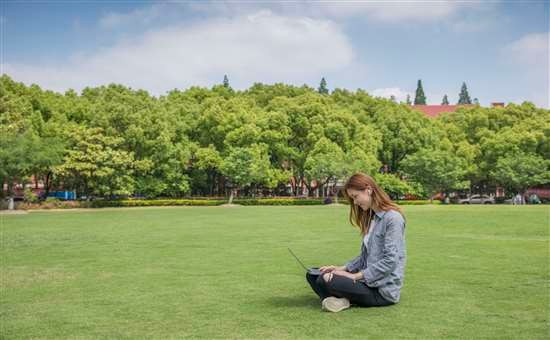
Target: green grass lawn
column 218, row 272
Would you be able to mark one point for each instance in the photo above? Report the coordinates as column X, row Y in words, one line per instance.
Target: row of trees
column 420, row 97
column 113, row 140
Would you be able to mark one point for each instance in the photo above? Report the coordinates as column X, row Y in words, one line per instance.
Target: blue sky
column 500, row 48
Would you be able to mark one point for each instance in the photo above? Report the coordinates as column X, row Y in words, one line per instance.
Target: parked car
column 532, row 199
column 477, row 199
column 509, row 201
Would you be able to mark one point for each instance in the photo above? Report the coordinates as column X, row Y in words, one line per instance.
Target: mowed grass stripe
column 473, row 271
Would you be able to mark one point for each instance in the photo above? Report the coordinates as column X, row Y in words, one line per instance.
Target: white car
column 478, row 199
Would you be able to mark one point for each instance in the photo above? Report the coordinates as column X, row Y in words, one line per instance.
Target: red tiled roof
column 436, row 110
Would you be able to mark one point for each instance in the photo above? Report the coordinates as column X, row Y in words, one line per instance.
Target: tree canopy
column 113, row 140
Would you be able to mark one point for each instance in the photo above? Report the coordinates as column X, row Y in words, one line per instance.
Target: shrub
column 68, row 204
column 151, row 203
column 407, row 202
column 418, row 202
column 54, row 203
column 49, row 203
column 29, row 196
column 279, row 201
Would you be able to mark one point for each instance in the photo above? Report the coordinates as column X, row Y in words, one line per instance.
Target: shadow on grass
column 309, row 301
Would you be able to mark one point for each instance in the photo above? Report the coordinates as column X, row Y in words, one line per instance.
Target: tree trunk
column 215, row 184
column 208, row 184
column 47, row 184
column 86, row 190
column 231, row 196
column 10, row 188
column 10, row 195
column 335, row 192
column 221, row 185
column 308, row 186
column 313, row 189
column 293, row 186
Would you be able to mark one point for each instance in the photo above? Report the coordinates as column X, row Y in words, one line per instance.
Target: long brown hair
column 359, row 217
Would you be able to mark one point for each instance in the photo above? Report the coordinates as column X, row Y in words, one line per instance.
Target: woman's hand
column 329, row 269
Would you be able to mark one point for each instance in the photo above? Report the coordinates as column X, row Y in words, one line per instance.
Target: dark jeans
column 356, row 292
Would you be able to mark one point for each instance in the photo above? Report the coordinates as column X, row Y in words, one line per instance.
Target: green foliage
column 419, row 98
column 325, row 161
column 245, row 164
column 493, row 137
column 225, row 81
column 51, row 200
column 96, row 163
column 25, row 154
column 279, row 201
column 464, row 96
column 403, row 132
column 405, row 202
column 438, row 169
column 323, row 87
column 394, row 186
column 29, row 196
column 417, row 202
column 52, row 203
column 112, row 141
column 151, row 203
column 519, row 171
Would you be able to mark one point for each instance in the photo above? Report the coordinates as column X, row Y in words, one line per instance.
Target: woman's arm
column 354, row 264
column 331, row 268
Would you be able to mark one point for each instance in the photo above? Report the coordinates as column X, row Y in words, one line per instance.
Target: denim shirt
column 383, row 261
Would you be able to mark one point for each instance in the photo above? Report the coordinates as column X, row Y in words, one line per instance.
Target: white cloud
column 392, row 11
column 530, row 56
column 259, row 47
column 141, row 16
column 531, row 49
column 400, row 95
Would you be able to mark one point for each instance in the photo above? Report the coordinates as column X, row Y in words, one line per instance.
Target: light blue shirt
column 382, row 261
